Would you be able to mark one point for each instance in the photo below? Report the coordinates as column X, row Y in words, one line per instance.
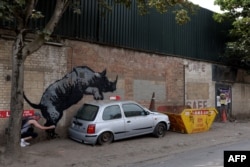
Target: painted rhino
column 69, row 90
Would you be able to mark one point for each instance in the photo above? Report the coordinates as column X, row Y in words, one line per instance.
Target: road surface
column 204, row 157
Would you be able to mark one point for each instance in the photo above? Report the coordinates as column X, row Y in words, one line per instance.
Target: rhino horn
column 114, row 83
column 116, row 80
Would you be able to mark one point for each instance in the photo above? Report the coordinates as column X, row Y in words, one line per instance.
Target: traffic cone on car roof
column 152, row 103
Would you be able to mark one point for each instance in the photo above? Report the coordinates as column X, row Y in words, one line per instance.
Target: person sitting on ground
column 27, row 130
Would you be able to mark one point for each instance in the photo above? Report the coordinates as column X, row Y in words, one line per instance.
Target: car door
column 114, row 121
column 137, row 120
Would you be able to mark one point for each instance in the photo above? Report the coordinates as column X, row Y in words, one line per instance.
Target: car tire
column 160, row 130
column 105, row 138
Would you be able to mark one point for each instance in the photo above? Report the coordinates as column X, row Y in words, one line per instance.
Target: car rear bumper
column 82, row 137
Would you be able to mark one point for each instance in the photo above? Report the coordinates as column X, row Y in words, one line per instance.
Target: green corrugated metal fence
column 202, row 38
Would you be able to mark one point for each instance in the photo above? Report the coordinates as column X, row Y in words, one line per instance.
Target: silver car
column 105, row 121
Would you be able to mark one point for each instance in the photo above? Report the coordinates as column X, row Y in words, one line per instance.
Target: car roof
column 109, row 102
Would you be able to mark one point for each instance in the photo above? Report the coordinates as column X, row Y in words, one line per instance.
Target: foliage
column 10, row 10
column 182, row 8
column 237, row 12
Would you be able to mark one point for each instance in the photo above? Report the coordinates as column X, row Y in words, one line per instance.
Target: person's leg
column 25, row 140
column 27, row 136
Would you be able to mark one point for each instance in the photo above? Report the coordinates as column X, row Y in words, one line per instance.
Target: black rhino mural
column 69, row 90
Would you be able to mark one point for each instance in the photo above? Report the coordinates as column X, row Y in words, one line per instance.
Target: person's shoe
column 26, row 143
column 22, row 143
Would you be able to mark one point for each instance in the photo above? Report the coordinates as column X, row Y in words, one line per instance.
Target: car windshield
column 87, row 112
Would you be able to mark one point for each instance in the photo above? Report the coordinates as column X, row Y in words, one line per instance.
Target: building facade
column 175, row 81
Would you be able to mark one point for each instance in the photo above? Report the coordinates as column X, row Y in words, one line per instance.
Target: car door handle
column 128, row 121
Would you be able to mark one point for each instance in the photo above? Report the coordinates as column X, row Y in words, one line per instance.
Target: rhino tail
column 36, row 106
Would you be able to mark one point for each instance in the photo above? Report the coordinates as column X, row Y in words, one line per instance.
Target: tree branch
column 61, row 6
column 28, row 10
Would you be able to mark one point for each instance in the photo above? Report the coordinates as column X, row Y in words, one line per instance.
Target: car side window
column 111, row 112
column 131, row 110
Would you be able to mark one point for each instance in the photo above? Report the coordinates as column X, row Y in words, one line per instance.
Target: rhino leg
column 52, row 118
column 95, row 92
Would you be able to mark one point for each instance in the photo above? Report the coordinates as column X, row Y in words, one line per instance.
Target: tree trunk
column 19, row 53
column 13, row 149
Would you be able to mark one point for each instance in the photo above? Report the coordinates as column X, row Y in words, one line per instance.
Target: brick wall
column 5, row 72
column 140, row 74
column 41, row 69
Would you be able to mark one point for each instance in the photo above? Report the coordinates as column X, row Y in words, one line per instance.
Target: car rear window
column 87, row 112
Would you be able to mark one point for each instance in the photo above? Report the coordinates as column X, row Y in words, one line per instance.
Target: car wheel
column 105, row 138
column 160, row 130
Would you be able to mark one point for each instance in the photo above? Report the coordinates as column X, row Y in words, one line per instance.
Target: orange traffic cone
column 152, row 103
column 223, row 116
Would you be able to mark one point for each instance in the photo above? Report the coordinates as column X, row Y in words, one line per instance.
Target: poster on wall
column 6, row 113
column 223, row 96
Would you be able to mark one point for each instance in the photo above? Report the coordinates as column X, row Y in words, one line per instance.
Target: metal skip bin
column 184, row 119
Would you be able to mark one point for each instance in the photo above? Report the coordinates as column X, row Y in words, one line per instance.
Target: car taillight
column 91, row 129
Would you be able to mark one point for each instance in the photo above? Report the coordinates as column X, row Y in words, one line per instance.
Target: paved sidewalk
column 68, row 153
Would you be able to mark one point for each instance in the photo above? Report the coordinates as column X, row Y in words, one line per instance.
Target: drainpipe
column 185, row 64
